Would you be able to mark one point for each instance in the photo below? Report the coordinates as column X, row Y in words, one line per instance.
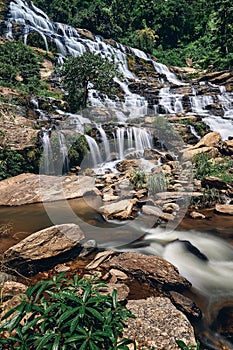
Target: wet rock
column 31, row 188
column 44, row 248
column 170, row 208
column 119, row 210
column 224, row 322
column 158, row 324
column 155, row 211
column 151, row 154
column 177, row 195
column 150, row 269
column 186, row 305
column 224, row 209
column 196, row 215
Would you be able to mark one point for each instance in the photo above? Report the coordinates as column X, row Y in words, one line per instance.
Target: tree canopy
column 89, row 71
column 168, row 29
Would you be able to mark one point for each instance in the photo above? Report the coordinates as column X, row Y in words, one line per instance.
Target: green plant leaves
column 66, row 314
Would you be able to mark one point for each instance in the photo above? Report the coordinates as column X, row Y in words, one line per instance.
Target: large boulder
column 44, row 248
column 158, row 324
column 152, row 269
column 210, row 143
column 31, row 188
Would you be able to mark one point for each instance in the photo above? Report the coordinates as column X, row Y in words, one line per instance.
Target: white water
column 47, row 158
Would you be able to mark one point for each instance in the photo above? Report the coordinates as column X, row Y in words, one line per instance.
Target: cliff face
column 17, row 131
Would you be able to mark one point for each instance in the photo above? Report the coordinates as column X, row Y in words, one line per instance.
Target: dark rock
column 214, row 182
column 152, row 269
column 186, row 305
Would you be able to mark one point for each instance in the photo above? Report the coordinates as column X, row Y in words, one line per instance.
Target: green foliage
column 204, row 166
column 172, row 30
column 77, row 73
column 209, row 198
column 66, row 314
column 157, row 183
column 77, row 150
column 183, row 346
column 138, row 178
column 13, row 162
column 19, row 67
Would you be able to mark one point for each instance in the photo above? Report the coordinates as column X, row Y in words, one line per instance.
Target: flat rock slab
column 31, row 188
column 224, row 209
column 158, row 324
column 151, row 269
column 44, row 246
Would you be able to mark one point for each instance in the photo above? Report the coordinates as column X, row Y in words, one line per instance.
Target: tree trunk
column 85, row 93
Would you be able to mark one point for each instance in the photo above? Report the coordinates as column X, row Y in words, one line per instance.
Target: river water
column 201, row 250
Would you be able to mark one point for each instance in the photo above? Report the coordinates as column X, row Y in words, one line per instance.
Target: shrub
column 138, row 178
column 157, row 183
column 65, row 314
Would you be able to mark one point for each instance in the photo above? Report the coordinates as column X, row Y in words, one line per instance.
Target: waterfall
column 132, row 140
column 94, row 151
column 193, row 132
column 105, row 141
column 46, row 166
column 63, row 152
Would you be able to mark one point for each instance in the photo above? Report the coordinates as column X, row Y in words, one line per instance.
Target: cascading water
column 123, row 142
column 63, row 152
column 47, row 166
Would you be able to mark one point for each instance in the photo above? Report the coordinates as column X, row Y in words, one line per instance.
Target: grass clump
column 205, row 166
column 65, row 314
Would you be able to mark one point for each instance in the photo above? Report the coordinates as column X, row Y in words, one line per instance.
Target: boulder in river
column 31, row 188
column 44, row 249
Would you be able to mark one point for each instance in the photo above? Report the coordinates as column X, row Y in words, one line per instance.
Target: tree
column 79, row 74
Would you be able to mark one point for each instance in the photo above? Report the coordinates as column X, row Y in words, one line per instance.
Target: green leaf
column 114, row 298
column 95, row 313
column 45, row 340
column 66, row 315
column 56, row 342
column 182, row 345
column 75, row 338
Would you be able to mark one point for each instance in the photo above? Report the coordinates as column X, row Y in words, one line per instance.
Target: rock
column 155, row 211
column 170, row 207
column 196, row 215
column 19, row 132
column 224, row 209
column 158, row 324
column 176, row 195
column 186, row 305
column 88, row 247
column 224, row 322
column 122, row 290
column 212, row 139
column 152, row 269
column 151, row 154
column 5, row 277
column 214, row 182
column 190, row 153
column 10, row 289
column 118, row 274
column 228, row 147
column 31, row 188
column 44, row 248
column 99, row 258
column 119, row 210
